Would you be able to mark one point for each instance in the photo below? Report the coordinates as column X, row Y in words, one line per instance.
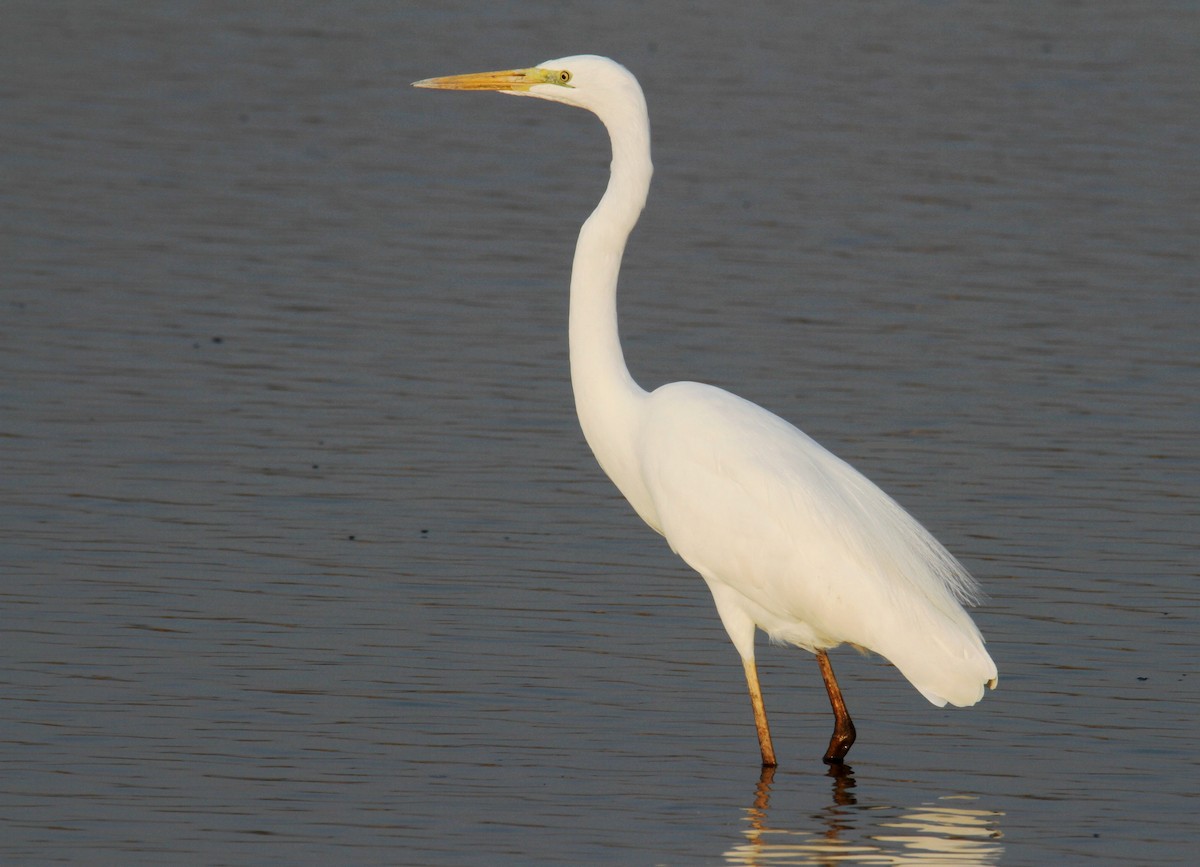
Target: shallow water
column 305, row 560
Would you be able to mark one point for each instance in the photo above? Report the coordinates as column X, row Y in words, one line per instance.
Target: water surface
column 303, row 556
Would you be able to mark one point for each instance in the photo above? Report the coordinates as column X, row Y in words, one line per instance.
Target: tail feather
column 949, row 666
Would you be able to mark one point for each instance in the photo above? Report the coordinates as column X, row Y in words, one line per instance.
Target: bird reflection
column 944, row 831
column 843, row 782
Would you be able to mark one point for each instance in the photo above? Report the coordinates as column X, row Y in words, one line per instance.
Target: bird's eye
column 564, row 77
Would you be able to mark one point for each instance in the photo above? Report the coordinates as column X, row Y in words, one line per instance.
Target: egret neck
column 607, row 399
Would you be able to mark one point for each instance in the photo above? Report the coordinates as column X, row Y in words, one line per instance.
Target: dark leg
column 843, row 728
column 760, row 713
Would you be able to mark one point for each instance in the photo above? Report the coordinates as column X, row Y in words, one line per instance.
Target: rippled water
column 305, row 560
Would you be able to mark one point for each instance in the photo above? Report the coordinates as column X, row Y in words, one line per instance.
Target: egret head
column 588, row 81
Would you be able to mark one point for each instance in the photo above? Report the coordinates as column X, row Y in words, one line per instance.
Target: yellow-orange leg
column 843, row 728
column 760, row 714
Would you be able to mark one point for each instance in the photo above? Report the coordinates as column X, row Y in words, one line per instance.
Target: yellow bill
column 506, row 79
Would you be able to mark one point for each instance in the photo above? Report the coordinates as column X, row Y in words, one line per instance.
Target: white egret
column 789, row 538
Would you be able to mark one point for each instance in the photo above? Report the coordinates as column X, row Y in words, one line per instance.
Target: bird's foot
column 840, row 743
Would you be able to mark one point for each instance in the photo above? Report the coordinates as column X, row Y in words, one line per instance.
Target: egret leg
column 843, row 727
column 760, row 713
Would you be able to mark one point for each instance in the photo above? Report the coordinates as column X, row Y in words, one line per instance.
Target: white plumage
column 802, row 543
column 789, row 538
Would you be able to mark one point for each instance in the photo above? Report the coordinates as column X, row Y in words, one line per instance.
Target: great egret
column 789, row 538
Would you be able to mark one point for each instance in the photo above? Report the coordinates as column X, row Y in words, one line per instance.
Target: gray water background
column 305, row 561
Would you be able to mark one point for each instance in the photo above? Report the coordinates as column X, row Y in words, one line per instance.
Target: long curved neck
column 606, row 397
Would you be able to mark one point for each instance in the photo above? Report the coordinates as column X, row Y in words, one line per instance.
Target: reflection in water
column 932, row 833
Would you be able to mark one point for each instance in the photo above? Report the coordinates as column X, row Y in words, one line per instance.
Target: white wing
column 794, row 540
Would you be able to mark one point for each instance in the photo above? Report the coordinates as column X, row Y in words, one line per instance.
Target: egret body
column 789, row 538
